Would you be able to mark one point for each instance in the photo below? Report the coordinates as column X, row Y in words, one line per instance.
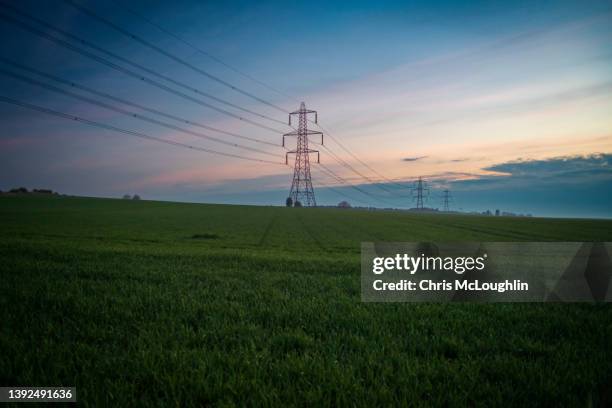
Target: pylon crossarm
column 288, row 134
column 312, row 132
column 287, row 156
column 297, row 112
column 307, row 132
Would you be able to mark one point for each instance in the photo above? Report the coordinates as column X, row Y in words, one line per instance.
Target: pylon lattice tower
column 420, row 192
column 301, row 187
column 447, row 198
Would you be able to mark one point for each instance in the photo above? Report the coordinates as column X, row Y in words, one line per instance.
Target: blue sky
column 498, row 102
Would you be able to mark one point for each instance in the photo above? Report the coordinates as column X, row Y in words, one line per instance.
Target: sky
column 506, row 105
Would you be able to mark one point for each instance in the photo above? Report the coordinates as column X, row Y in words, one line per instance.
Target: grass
column 161, row 304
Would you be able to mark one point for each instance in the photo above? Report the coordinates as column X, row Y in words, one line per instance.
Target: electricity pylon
column 420, row 192
column 301, row 187
column 447, row 199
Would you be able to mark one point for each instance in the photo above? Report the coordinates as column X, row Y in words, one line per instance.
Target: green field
column 168, row 304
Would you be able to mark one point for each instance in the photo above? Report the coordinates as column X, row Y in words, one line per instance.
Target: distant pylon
column 420, row 192
column 301, row 187
column 447, row 200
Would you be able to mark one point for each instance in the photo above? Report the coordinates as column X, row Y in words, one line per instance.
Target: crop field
column 169, row 304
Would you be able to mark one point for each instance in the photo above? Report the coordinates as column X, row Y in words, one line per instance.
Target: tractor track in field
column 355, row 225
column 502, row 233
column 499, row 232
column 267, row 230
column 306, row 228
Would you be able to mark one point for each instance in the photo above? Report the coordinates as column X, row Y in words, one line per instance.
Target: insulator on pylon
column 316, row 117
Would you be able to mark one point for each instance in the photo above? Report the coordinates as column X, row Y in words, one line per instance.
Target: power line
column 340, row 193
column 343, row 181
column 345, row 164
column 133, row 64
column 201, row 51
column 363, row 163
column 158, row 49
column 89, row 12
column 144, row 42
column 129, row 113
column 128, row 103
column 65, row 44
column 116, row 27
column 333, row 175
column 128, row 132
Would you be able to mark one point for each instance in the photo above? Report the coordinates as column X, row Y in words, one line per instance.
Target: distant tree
column 289, row 202
column 344, row 204
column 297, row 204
column 136, row 197
column 20, row 190
column 127, row 197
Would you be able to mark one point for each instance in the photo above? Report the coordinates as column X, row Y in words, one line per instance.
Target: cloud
column 557, row 167
column 413, row 159
column 554, row 174
column 461, row 160
column 568, row 186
